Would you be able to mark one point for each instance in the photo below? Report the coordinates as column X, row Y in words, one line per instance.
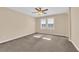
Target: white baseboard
column 74, row 45
column 53, row 34
column 14, row 38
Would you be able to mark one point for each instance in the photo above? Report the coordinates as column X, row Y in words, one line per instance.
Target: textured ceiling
column 51, row 10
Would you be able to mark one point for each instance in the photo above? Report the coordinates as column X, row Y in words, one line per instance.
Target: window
column 43, row 23
column 47, row 23
column 50, row 23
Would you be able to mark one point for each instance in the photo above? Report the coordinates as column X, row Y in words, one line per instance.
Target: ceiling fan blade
column 37, row 9
column 40, row 9
column 45, row 10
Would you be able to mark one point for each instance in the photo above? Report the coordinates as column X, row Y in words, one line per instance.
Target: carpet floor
column 38, row 43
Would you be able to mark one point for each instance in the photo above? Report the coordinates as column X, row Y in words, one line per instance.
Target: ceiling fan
column 40, row 11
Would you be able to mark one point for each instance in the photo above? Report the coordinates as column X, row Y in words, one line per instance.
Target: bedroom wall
column 60, row 26
column 75, row 26
column 14, row 24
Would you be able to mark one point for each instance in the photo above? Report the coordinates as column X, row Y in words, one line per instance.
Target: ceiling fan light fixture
column 40, row 11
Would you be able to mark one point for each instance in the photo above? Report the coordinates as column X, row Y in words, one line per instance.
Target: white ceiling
column 51, row 10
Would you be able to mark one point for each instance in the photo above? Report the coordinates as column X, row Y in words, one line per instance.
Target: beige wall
column 69, row 23
column 60, row 27
column 75, row 26
column 14, row 25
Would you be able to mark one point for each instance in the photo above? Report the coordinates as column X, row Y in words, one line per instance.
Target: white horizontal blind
column 50, row 23
column 43, row 23
column 47, row 23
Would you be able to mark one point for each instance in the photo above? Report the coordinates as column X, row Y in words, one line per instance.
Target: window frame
column 46, row 23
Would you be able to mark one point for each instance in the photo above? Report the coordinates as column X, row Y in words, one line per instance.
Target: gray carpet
column 38, row 43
